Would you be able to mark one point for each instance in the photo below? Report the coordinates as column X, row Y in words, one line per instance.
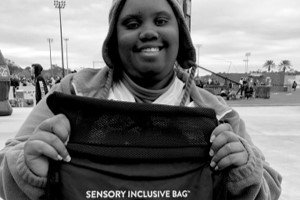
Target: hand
column 46, row 142
column 226, row 149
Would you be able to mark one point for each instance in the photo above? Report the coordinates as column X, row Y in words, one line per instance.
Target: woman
column 146, row 39
column 41, row 88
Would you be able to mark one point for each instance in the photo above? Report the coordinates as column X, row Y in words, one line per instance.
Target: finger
column 36, row 148
column 236, row 159
column 58, row 125
column 219, row 129
column 53, row 141
column 222, row 139
column 227, row 149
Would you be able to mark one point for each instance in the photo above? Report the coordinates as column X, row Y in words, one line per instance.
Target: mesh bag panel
column 129, row 130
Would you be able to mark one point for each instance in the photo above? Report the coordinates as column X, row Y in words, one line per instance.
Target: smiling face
column 148, row 40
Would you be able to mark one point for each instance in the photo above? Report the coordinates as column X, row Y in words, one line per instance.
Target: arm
column 18, row 182
column 45, row 86
column 254, row 179
column 250, row 176
column 42, row 86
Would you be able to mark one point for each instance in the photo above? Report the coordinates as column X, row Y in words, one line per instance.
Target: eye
column 161, row 21
column 131, row 23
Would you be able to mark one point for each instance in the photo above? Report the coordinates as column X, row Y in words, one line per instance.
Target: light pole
column 198, row 59
column 198, row 48
column 61, row 5
column 50, row 40
column 245, row 65
column 67, row 59
column 247, row 60
column 229, row 65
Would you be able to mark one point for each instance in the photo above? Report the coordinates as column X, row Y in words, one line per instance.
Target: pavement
column 275, row 130
column 273, row 125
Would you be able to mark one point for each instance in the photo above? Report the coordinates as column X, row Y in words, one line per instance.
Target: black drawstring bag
column 123, row 150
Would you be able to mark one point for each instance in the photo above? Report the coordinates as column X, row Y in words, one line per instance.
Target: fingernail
column 59, row 157
column 211, row 152
column 67, row 159
column 212, row 138
column 66, row 142
column 212, row 164
column 216, row 168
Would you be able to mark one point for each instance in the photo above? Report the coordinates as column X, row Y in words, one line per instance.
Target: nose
column 148, row 35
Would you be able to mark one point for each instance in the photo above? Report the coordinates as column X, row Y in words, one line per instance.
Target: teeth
column 150, row 50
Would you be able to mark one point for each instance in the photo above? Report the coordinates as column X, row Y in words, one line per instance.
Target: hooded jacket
column 39, row 80
column 256, row 177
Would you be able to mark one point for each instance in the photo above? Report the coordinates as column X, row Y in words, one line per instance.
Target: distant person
column 210, row 81
column 15, row 83
column 230, row 85
column 231, row 95
column 52, row 82
column 57, row 79
column 245, row 83
column 24, row 81
column 224, row 93
column 199, row 83
column 241, row 87
column 294, row 86
column 39, row 82
column 248, row 91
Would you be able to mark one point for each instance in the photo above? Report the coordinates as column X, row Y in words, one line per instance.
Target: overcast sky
column 226, row 30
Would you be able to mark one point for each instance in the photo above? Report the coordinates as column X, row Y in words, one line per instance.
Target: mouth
column 148, row 49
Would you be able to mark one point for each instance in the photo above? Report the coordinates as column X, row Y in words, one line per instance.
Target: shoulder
column 87, row 73
column 86, row 82
column 39, row 77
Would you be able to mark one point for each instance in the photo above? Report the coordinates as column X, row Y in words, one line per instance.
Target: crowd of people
column 206, row 82
column 42, row 85
column 247, row 88
column 16, row 80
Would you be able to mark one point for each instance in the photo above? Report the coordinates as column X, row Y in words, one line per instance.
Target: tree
column 26, row 73
column 284, row 65
column 269, row 64
column 13, row 68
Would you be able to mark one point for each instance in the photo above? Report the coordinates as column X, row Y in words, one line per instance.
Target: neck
column 143, row 94
column 148, row 82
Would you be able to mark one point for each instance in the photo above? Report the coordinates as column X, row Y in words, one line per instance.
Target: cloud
column 229, row 29
column 226, row 29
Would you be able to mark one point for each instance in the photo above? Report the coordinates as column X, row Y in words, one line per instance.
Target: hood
column 37, row 69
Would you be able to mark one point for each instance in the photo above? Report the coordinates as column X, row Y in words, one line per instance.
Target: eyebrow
column 164, row 13
column 129, row 16
column 139, row 15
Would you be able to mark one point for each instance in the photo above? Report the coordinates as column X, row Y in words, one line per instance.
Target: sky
column 222, row 31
